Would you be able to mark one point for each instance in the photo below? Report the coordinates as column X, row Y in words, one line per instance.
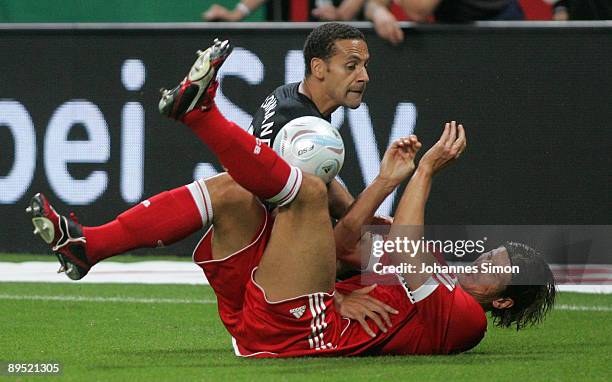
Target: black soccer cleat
column 198, row 89
column 64, row 236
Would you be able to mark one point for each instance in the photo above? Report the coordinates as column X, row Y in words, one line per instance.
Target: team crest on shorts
column 298, row 312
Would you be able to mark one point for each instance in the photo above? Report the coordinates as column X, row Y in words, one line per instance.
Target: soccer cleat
column 64, row 236
column 198, row 89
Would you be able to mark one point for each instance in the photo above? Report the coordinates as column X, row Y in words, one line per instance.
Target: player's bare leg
column 300, row 256
column 237, row 215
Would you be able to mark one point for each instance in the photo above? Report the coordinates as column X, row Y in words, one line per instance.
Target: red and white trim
column 429, row 286
column 238, row 252
column 238, row 353
column 447, row 280
column 290, row 191
column 287, row 299
column 201, row 197
column 318, row 325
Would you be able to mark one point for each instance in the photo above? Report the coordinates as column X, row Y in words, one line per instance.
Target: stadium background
column 535, row 98
column 79, row 117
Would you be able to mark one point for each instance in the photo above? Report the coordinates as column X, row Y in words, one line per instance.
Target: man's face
column 487, row 285
column 347, row 75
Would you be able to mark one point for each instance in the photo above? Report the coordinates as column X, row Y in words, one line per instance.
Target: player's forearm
column 411, row 208
column 347, row 232
column 340, row 199
column 408, row 223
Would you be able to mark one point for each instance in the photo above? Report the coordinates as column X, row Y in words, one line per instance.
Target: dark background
column 536, row 102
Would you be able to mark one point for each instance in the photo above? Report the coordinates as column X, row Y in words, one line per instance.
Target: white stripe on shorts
column 313, row 336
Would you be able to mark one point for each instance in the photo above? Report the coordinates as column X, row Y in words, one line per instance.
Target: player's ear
column 503, row 303
column 318, row 68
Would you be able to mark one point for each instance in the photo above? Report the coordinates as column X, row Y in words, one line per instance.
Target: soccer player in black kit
column 336, row 58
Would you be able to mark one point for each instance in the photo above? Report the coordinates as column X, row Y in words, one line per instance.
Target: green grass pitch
column 105, row 337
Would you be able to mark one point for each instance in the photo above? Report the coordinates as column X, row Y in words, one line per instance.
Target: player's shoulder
column 287, row 91
column 470, row 306
column 291, row 104
column 468, row 322
column 284, row 104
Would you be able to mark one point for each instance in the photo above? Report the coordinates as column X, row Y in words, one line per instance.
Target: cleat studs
column 44, row 228
column 163, row 91
column 199, row 52
column 61, row 269
column 29, row 209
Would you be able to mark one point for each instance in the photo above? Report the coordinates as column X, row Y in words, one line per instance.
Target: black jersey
column 283, row 105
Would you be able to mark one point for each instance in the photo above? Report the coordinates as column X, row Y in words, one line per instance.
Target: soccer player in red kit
column 274, row 275
column 276, row 295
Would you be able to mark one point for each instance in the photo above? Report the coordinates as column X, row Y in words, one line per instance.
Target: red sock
column 253, row 165
column 160, row 220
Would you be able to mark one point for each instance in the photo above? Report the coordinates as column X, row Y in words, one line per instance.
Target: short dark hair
column 320, row 42
column 532, row 289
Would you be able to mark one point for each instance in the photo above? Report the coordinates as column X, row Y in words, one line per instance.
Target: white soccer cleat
column 198, row 88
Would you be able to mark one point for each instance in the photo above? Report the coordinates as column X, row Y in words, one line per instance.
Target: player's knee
column 312, row 191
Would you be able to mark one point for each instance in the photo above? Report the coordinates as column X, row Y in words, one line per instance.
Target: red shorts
column 258, row 327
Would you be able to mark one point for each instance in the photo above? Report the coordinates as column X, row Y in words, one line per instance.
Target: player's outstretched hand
column 360, row 306
column 398, row 162
column 450, row 146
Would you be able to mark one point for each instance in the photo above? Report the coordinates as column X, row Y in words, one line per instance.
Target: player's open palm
column 398, row 162
column 360, row 306
column 450, row 146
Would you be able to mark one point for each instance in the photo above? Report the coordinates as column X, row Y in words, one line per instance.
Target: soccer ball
column 313, row 145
